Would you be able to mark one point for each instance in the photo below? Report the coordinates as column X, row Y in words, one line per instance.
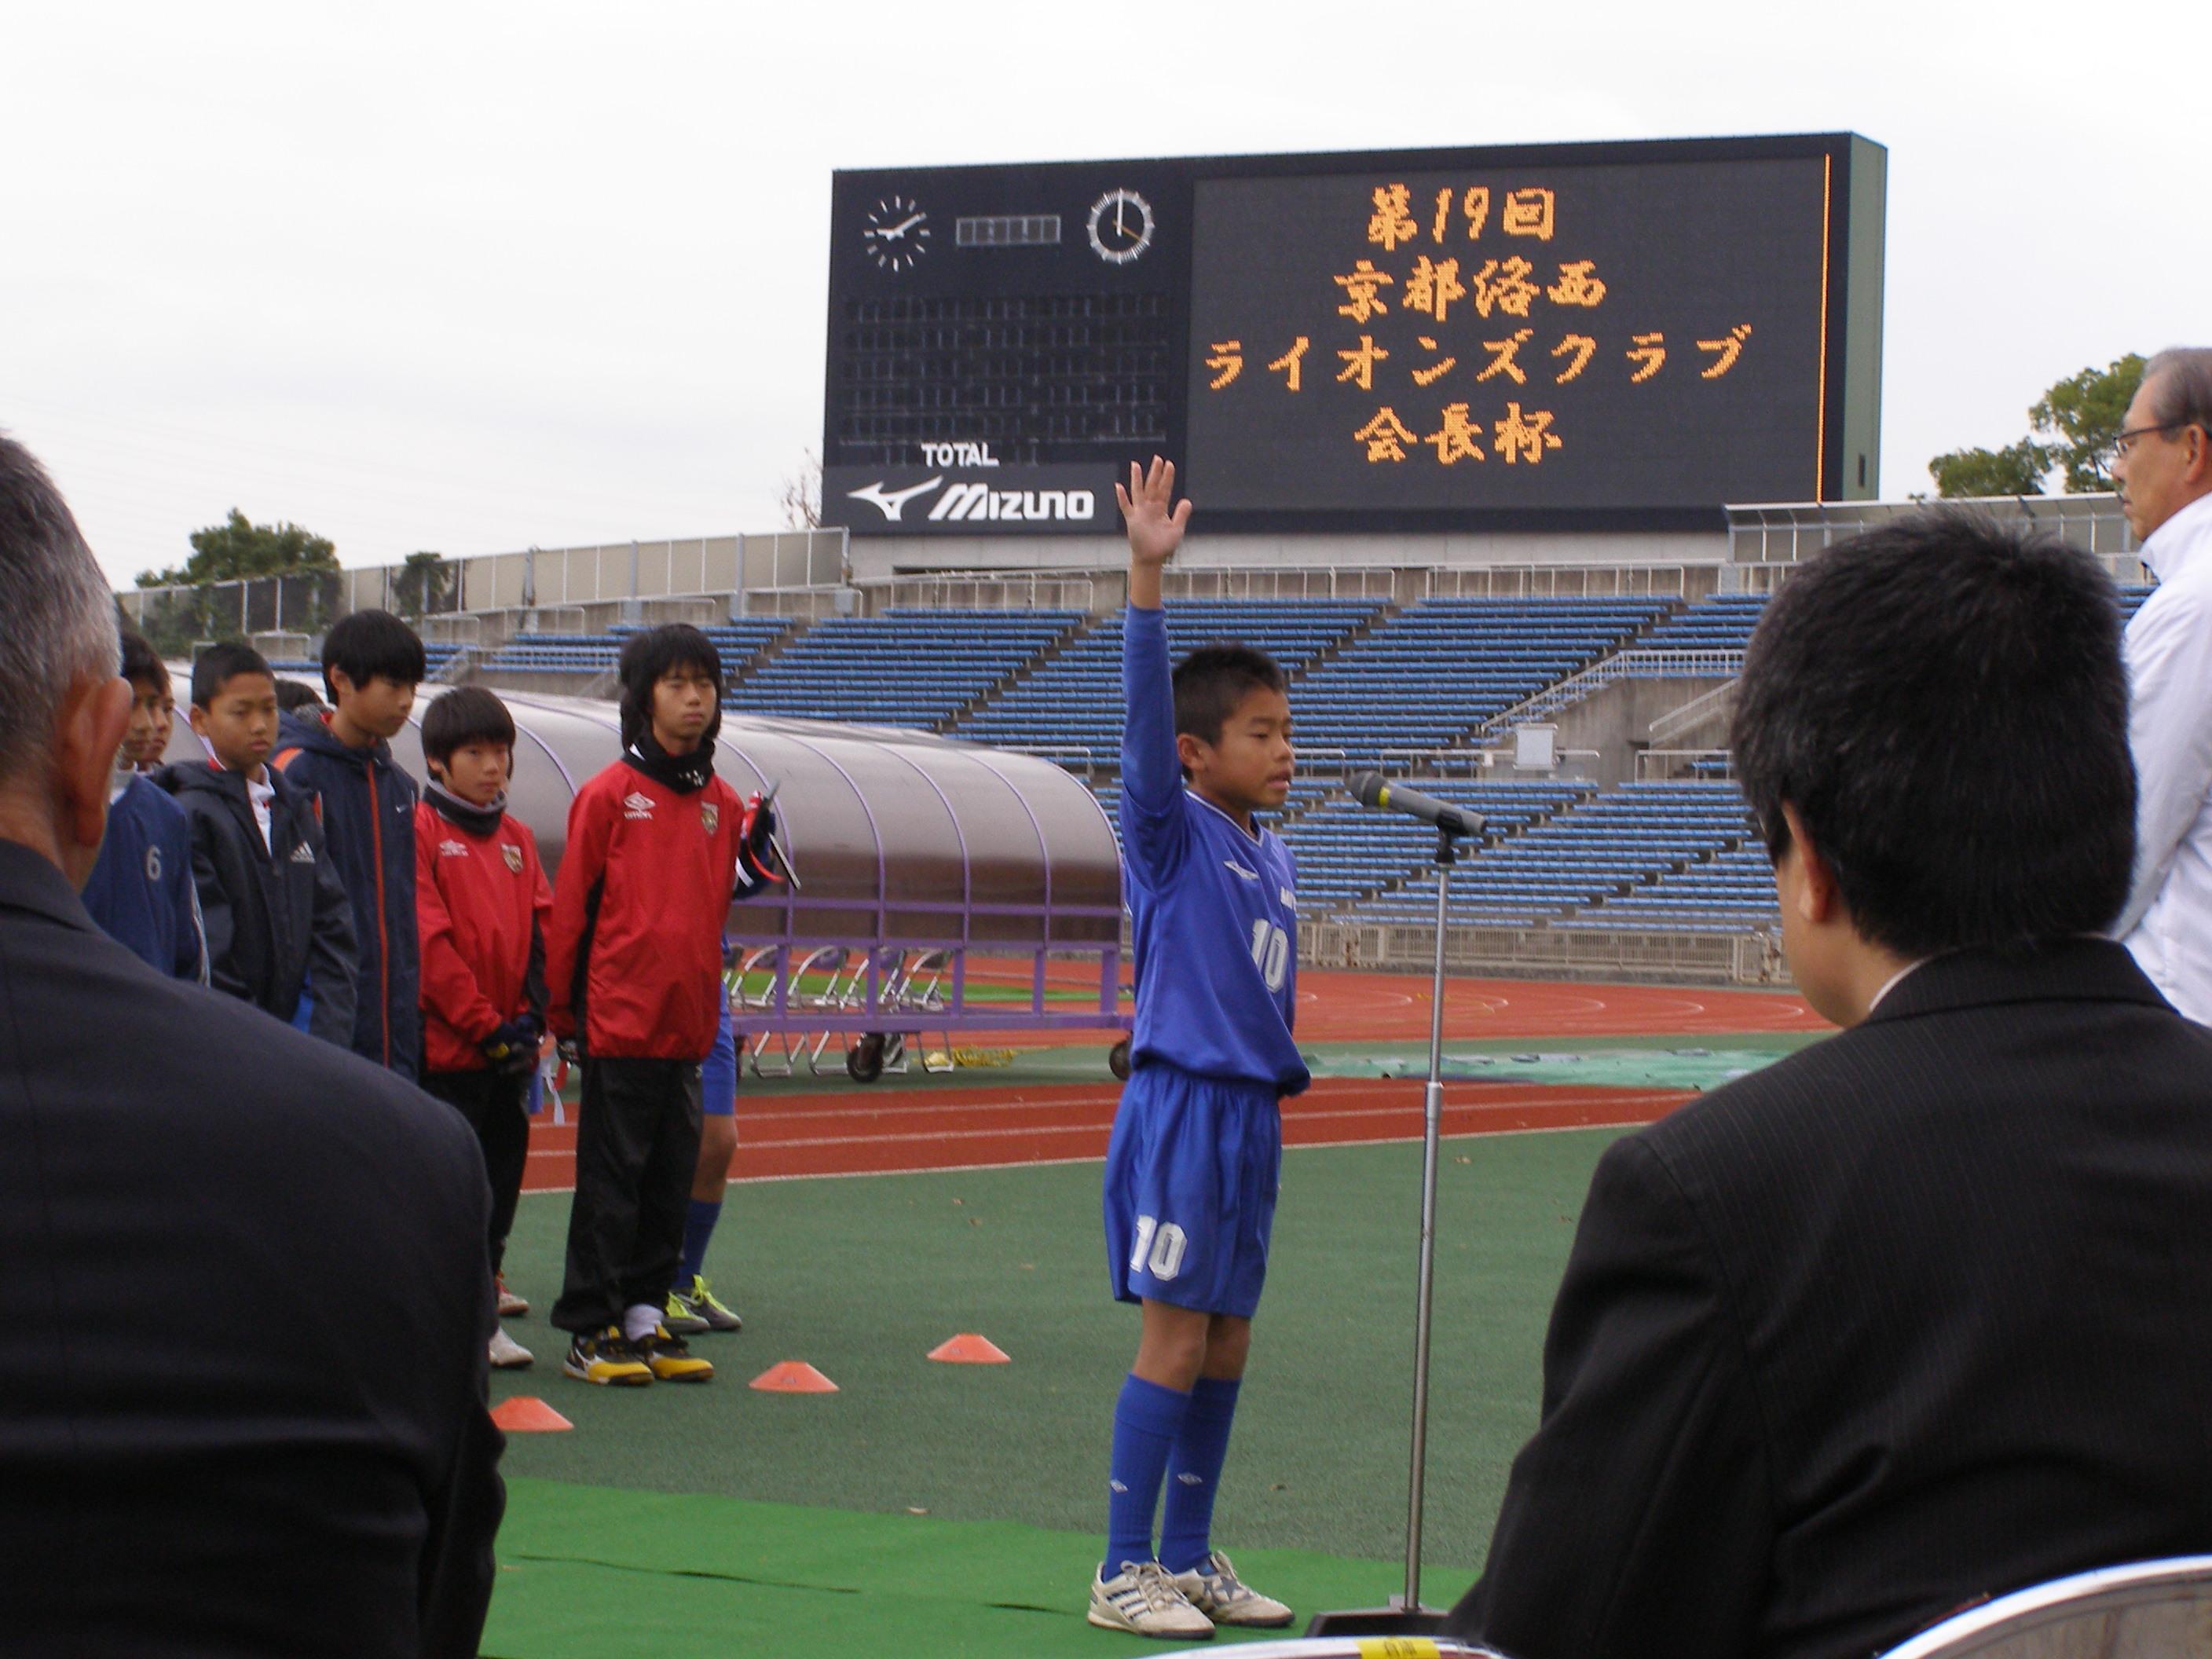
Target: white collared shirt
column 2167, row 923
column 259, row 795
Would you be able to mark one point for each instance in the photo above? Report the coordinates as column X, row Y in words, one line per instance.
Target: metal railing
column 1694, row 712
column 1556, row 581
column 1632, row 664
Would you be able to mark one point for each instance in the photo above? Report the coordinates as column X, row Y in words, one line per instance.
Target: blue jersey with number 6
column 1214, row 909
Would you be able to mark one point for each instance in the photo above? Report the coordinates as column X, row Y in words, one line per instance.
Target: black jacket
column 368, row 826
column 1921, row 1314
column 284, row 1448
column 274, row 913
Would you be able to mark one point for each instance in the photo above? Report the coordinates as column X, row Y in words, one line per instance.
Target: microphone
column 1373, row 790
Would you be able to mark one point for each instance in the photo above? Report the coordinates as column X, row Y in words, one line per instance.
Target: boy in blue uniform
column 1192, row 1170
column 140, row 892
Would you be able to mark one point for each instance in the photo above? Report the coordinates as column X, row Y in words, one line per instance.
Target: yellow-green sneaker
column 675, row 1313
column 701, row 1303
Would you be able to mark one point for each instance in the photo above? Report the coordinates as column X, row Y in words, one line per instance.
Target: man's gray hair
column 57, row 618
column 2182, row 396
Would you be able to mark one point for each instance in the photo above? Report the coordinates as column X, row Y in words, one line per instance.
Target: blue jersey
column 1214, row 909
column 140, row 892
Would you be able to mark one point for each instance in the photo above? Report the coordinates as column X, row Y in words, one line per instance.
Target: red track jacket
column 480, row 905
column 634, row 949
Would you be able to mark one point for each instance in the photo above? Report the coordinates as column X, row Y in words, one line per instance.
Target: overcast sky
column 472, row 277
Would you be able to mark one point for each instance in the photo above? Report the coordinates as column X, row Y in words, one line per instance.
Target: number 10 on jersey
column 1271, row 952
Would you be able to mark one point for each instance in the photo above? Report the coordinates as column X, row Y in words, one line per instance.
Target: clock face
column 1121, row 227
column 896, row 234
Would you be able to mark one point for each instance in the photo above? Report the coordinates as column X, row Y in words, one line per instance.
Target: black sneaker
column 605, row 1356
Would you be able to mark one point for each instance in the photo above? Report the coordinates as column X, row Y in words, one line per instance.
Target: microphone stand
column 1405, row 1615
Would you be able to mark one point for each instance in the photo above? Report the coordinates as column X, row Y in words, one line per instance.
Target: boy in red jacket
column 657, row 846
column 481, row 903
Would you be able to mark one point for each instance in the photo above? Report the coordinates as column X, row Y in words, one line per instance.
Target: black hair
column 656, row 651
column 466, row 715
column 1942, row 701
column 294, row 694
column 369, row 643
column 219, row 665
column 1213, row 679
column 142, row 663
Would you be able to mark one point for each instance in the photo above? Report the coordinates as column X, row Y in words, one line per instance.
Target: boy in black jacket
column 269, row 896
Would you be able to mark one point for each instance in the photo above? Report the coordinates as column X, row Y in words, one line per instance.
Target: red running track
column 871, row 1131
column 1338, row 1005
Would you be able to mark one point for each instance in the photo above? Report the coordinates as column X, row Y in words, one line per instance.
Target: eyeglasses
column 2126, row 441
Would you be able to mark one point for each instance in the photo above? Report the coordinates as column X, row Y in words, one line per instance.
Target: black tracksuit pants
column 497, row 1107
column 637, row 1148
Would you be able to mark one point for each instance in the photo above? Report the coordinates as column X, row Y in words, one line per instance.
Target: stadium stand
column 1072, row 704
column 1423, row 680
column 1348, row 852
column 903, row 668
column 1722, row 623
column 738, row 643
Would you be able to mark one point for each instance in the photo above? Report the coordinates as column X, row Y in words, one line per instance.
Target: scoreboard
column 1621, row 335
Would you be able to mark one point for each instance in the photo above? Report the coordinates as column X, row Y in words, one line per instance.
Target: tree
column 227, row 552
column 2072, row 425
column 424, row 586
column 800, row 495
column 2081, row 417
column 2016, row 470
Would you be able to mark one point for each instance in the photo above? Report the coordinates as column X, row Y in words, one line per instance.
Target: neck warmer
column 478, row 821
column 687, row 775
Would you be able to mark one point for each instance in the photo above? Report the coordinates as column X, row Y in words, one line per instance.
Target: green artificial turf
column 862, row 1276
column 587, row 1570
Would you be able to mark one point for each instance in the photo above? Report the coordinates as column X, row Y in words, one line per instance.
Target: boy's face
column 240, row 721
column 1249, row 769
column 380, row 706
column 683, row 704
column 477, row 772
column 153, row 716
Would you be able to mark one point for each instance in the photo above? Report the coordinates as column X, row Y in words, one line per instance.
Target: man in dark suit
column 1923, row 1313
column 244, row 1299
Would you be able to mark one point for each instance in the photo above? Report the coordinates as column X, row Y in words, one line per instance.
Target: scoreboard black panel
column 1627, row 334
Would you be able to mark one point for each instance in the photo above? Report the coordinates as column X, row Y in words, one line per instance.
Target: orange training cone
column 970, row 1349
column 793, row 1377
column 528, row 1414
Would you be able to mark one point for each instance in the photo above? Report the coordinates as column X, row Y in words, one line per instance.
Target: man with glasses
column 2163, row 465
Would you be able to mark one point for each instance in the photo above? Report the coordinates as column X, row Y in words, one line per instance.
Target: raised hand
column 1155, row 529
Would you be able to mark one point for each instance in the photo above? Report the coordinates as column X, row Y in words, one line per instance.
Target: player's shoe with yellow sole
column 671, row 1360
column 1213, row 1588
column 700, row 1302
column 1144, row 1599
column 605, row 1358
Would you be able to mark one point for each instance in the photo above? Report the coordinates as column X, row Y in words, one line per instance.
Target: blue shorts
column 718, row 1072
column 1191, row 1177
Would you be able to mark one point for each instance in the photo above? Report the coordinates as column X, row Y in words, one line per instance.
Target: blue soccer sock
column 1200, row 1448
column 698, row 1231
column 1147, row 1418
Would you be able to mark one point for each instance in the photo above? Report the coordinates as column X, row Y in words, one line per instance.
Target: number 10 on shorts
column 1271, row 952
column 1159, row 1249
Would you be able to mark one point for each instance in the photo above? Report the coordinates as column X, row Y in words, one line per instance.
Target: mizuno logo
column 637, row 804
column 891, row 502
column 1189, row 1479
column 303, row 854
column 1249, row 875
column 453, row 849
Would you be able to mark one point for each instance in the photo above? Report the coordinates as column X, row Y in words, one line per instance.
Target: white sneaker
column 1142, row 1598
column 507, row 1353
column 1213, row 1588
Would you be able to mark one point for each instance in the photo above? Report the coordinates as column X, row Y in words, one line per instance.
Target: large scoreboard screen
column 1623, row 334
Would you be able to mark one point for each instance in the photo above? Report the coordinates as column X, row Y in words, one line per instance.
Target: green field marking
column 584, row 1567
column 862, row 1276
